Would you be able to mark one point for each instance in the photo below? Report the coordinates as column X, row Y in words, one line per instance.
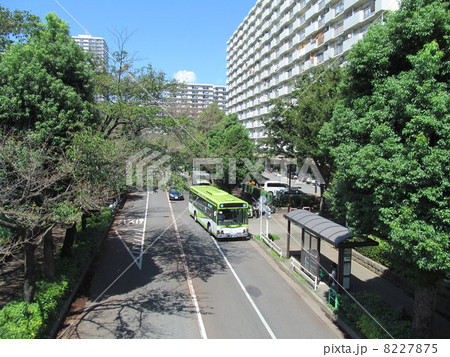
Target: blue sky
column 172, row 35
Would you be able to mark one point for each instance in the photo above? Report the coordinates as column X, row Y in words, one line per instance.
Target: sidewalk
column 362, row 278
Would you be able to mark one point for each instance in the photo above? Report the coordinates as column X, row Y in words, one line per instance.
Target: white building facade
column 197, row 97
column 95, row 45
column 280, row 39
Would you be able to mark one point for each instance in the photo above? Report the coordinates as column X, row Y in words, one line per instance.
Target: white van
column 273, row 187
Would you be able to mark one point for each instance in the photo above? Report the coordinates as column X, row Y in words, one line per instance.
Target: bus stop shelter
column 314, row 229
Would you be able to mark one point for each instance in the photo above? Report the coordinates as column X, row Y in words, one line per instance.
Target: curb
column 66, row 306
column 317, row 299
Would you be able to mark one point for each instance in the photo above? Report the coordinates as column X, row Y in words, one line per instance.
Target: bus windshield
column 232, row 216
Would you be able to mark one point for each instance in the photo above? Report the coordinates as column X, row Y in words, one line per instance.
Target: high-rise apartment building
column 280, row 39
column 95, row 45
column 195, row 98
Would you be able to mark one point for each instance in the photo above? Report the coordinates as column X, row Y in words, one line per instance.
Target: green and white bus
column 222, row 214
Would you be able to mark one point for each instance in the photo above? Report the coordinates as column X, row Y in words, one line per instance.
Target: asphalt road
column 160, row 276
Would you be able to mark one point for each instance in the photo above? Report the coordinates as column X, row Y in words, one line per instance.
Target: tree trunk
column 69, row 239
column 29, row 286
column 424, row 305
column 49, row 258
column 322, row 200
column 84, row 217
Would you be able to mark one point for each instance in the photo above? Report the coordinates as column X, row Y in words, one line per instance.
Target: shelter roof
column 325, row 229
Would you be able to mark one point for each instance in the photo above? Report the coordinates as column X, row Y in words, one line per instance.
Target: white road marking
column 137, row 259
column 201, row 325
column 261, row 317
column 141, row 251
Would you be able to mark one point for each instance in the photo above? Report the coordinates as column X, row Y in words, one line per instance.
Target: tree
column 16, row 26
column 46, row 96
column 29, row 195
column 132, row 100
column 229, row 141
column 390, row 143
column 46, row 85
column 294, row 124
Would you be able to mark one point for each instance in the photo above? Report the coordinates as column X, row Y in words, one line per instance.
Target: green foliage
column 230, row 140
column 390, row 137
column 133, row 99
column 5, row 233
column 292, row 129
column 97, row 166
column 15, row 26
column 296, row 202
column 273, row 237
column 46, row 84
column 393, row 320
column 382, row 253
column 19, row 319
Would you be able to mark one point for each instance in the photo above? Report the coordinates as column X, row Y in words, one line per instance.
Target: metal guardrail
column 272, row 245
column 299, row 268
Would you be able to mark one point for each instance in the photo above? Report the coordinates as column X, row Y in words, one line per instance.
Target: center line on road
column 261, row 317
column 141, row 251
column 201, row 325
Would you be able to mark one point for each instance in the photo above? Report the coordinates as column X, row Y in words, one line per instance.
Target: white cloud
column 185, row 76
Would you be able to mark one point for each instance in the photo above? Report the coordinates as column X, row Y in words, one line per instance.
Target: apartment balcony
column 285, row 5
column 263, row 111
column 311, row 28
column 283, row 63
column 310, row 12
column 283, row 49
column 299, row 6
column 353, row 20
column 251, row 51
column 310, row 46
column 321, row 5
column 351, row 41
column 328, row 16
column 328, row 36
column 283, row 77
column 285, row 33
column 264, row 50
column 349, row 3
column 284, row 91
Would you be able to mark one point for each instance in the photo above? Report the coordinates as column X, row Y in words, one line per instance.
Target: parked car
column 175, row 194
column 298, row 198
column 273, row 187
column 295, row 192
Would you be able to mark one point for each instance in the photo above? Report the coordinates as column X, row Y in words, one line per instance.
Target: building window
column 320, row 38
column 302, row 19
column 339, row 29
column 338, row 9
column 320, row 58
column 338, row 49
column 368, row 11
column 302, row 34
column 321, row 4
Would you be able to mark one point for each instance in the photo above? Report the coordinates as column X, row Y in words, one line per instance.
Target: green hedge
column 19, row 319
column 381, row 254
column 394, row 320
column 297, row 202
